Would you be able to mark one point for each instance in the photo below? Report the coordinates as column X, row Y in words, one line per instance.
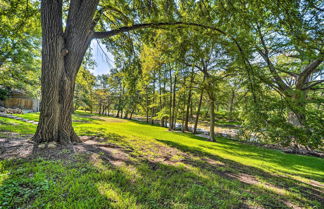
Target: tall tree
column 64, row 46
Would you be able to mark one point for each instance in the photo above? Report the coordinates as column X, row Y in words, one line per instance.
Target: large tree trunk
column 62, row 54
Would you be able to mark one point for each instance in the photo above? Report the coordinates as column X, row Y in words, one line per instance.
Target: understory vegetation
column 147, row 166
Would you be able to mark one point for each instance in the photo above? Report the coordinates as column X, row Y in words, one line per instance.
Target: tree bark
column 147, row 106
column 131, row 115
column 231, row 105
column 186, row 128
column 62, row 54
column 211, row 94
column 174, row 117
column 212, row 120
column 153, row 100
column 198, row 112
column 170, row 103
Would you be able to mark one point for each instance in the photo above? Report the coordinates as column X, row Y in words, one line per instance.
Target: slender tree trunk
column 231, row 105
column 170, row 103
column 147, row 106
column 186, row 128
column 211, row 94
column 160, row 92
column 198, row 111
column 174, row 117
column 191, row 108
column 99, row 110
column 153, row 100
column 212, row 120
column 131, row 115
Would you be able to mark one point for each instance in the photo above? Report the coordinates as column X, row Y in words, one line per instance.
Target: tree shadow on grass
column 305, row 191
column 289, row 161
column 199, row 180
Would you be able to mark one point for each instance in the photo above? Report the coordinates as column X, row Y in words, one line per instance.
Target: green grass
column 196, row 174
column 29, row 116
column 11, row 125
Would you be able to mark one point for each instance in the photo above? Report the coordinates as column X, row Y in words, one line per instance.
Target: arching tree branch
column 151, row 25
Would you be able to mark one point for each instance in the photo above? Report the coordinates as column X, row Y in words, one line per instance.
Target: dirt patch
column 213, row 162
column 109, row 152
column 248, row 179
column 111, row 120
column 14, row 146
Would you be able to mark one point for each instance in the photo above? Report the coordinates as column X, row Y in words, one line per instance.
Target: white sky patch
column 104, row 59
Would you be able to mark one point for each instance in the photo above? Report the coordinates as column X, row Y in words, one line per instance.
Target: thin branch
column 289, row 73
column 193, row 65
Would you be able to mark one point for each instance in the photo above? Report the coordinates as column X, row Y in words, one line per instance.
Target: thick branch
column 265, row 55
column 150, row 25
column 309, row 69
column 313, row 84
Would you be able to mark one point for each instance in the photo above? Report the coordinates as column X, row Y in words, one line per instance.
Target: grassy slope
column 272, row 178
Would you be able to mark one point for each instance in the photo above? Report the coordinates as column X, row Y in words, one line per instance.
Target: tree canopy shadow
column 101, row 176
column 231, row 169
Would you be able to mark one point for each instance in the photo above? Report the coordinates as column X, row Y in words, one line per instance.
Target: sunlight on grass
column 12, row 125
column 141, row 135
column 202, row 172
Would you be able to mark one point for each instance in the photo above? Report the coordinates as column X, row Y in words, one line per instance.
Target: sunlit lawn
column 190, row 172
